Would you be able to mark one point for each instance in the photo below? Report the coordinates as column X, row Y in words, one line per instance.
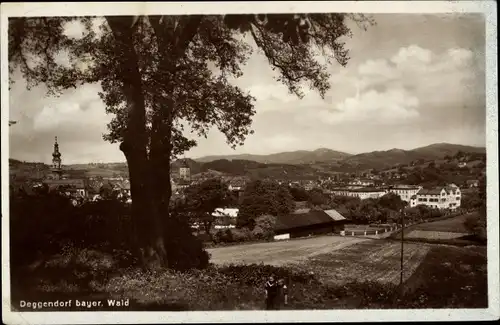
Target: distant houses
column 445, row 197
column 472, row 183
column 362, row 182
column 75, row 187
column 237, row 184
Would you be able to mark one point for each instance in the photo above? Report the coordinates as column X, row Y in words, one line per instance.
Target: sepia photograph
column 299, row 161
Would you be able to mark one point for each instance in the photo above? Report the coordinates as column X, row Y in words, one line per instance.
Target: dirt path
column 282, row 252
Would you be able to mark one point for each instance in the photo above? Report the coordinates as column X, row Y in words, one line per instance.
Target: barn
column 308, row 222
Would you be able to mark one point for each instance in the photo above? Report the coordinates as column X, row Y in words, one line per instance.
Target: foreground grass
column 450, row 276
column 363, row 277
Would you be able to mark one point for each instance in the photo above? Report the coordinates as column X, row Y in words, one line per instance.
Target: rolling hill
column 291, row 157
column 383, row 159
column 286, row 165
column 440, row 150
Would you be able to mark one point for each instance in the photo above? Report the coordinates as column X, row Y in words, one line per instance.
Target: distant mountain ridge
column 392, row 156
column 290, row 157
column 381, row 159
column 300, row 164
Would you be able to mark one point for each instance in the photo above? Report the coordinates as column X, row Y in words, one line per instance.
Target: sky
column 412, row 80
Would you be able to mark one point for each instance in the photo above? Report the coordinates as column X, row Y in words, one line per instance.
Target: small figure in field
column 271, row 293
column 282, row 294
column 276, row 293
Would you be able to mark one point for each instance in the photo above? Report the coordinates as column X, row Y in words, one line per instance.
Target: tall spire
column 56, row 159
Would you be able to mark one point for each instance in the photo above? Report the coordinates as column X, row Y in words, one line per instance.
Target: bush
column 264, row 228
column 240, row 235
column 257, row 274
column 184, row 250
column 42, row 225
column 476, row 224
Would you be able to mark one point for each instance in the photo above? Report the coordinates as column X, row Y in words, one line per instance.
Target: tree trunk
column 148, row 238
column 150, row 185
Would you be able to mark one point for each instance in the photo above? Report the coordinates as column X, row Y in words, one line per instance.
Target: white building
column 236, row 184
column 362, row 193
column 362, row 182
column 446, row 197
column 405, row 192
column 221, row 214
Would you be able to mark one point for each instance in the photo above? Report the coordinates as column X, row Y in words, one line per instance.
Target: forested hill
column 313, row 164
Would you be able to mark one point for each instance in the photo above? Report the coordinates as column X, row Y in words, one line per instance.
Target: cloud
column 406, row 85
column 77, row 117
column 391, row 106
column 272, row 96
column 70, row 115
column 412, row 55
column 414, row 67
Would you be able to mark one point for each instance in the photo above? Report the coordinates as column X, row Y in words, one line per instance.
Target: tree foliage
column 263, row 198
column 476, row 224
column 159, row 74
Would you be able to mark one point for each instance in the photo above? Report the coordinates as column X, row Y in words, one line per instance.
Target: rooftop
column 223, row 212
column 335, row 215
column 432, row 191
column 77, row 183
column 307, row 217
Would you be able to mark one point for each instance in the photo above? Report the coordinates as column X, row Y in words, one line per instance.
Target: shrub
column 476, row 224
column 256, row 274
column 184, row 250
column 240, row 235
column 44, row 223
column 264, row 227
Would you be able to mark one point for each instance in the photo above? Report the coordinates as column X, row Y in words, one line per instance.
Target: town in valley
column 446, row 180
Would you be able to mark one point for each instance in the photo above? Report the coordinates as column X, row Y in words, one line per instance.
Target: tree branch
column 184, row 34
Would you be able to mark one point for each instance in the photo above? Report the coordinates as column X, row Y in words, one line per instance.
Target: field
column 455, row 224
column 279, row 253
column 429, row 234
column 373, row 260
column 435, row 276
column 335, row 259
column 445, row 231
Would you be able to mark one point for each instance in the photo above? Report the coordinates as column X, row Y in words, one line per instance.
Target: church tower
column 56, row 161
column 185, row 171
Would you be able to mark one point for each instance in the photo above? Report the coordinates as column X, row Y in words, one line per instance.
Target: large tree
column 159, row 73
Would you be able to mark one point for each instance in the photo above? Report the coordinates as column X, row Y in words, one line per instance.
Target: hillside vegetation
column 295, row 165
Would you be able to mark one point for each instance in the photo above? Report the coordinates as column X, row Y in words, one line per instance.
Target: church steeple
column 56, row 156
column 56, row 161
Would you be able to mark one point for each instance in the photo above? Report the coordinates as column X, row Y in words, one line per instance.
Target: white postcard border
column 488, row 8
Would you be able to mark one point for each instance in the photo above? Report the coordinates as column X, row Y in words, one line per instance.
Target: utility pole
column 402, row 246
